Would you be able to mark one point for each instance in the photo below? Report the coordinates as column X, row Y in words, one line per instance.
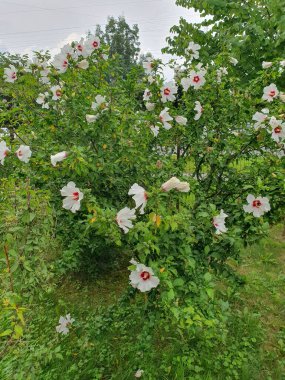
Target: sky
column 27, row 25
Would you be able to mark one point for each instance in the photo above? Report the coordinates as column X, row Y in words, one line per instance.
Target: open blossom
column 233, row 61
column 64, row 323
column 199, row 109
column 58, row 157
column 4, row 150
column 147, row 94
column 56, row 92
column 41, row 99
column 164, row 117
column 148, row 65
column 175, row 183
column 219, row 222
column 278, row 129
column 168, row 92
column 84, row 64
column 139, row 196
column 60, row 63
column 24, row 153
column 143, row 278
column 193, row 50
column 266, row 65
column 270, row 92
column 100, row 102
column 10, row 74
column 155, row 130
column 72, row 195
column 181, row 120
column 196, row 79
column 92, row 43
column 257, row 205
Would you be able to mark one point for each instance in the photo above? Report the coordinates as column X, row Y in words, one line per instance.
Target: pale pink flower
column 233, row 61
column 175, row 183
column 100, row 103
column 139, row 373
column 148, row 65
column 155, row 130
column 278, row 129
column 149, row 106
column 266, row 65
column 84, row 64
column 124, row 218
column 147, row 94
column 73, row 197
column 92, row 118
column 260, row 118
column 60, row 63
column 24, row 153
column 93, row 43
column 10, row 74
column 143, row 279
column 41, row 99
column 257, row 205
column 270, row 92
column 196, row 79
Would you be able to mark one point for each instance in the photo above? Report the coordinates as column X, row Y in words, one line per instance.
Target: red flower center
column 196, row 79
column 166, row 91
column 75, row 196
column 65, row 63
column 272, row 93
column 277, row 130
column 161, row 118
column 95, row 44
column 58, row 93
column 145, row 275
column 80, row 47
column 256, row 203
column 14, row 76
column 6, row 153
column 20, row 153
column 145, row 196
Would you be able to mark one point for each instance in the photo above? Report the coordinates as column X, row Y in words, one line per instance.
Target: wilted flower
column 84, row 64
column 139, row 373
column 57, row 158
column 257, row 206
column 266, row 65
column 199, row 109
column 181, row 120
column 91, row 118
column 175, row 183
column 4, row 150
column 143, row 278
column 164, row 117
column 219, row 222
column 147, row 94
column 24, row 153
column 233, row 61
column 270, row 92
column 10, row 74
column 220, row 72
column 149, row 106
column 148, row 65
column 124, row 218
column 155, row 130
column 139, row 196
column 73, row 196
column 64, row 323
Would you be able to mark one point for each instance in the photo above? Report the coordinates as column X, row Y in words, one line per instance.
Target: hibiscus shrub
column 178, row 175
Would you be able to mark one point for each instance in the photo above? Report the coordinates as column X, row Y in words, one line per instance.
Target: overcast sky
column 27, row 25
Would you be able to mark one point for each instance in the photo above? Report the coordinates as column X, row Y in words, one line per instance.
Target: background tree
column 251, row 31
column 122, row 39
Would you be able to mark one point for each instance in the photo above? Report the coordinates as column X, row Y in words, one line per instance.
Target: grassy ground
column 258, row 320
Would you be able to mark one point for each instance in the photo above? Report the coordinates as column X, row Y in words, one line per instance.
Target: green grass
column 114, row 346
